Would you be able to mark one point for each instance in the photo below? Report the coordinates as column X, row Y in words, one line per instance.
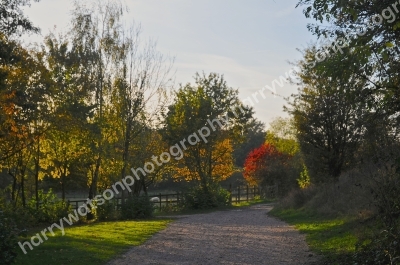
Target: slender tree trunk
column 125, row 154
column 17, row 195
column 23, row 190
column 63, row 189
column 14, row 187
column 93, row 185
column 22, row 173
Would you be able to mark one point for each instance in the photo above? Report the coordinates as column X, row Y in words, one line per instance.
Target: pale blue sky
column 250, row 42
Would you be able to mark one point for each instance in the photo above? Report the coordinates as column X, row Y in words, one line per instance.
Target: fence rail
column 237, row 195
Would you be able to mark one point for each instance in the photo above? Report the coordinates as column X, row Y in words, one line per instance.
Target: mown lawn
column 331, row 237
column 93, row 244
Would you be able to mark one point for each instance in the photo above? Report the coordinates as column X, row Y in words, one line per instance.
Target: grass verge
column 332, row 237
column 252, row 202
column 92, row 244
column 177, row 212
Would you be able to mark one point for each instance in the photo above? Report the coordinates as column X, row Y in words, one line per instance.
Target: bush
column 137, row 207
column 384, row 246
column 50, row 210
column 199, row 198
column 107, row 211
column 8, row 240
column 297, row 197
column 383, row 249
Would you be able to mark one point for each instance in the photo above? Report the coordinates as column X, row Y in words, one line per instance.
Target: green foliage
column 282, row 135
column 254, row 137
column 304, row 179
column 329, row 116
column 383, row 248
column 8, row 240
column 196, row 106
column 107, row 211
column 51, row 209
column 285, row 146
column 200, row 198
column 137, row 207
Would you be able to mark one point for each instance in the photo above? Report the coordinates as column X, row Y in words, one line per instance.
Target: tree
column 127, row 83
column 266, row 166
column 328, row 114
column 12, row 22
column 210, row 100
column 369, row 31
column 24, row 102
column 95, row 35
column 253, row 138
column 12, row 19
column 282, row 135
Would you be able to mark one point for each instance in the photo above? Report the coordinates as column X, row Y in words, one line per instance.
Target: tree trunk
column 23, row 190
column 63, row 186
column 14, row 186
column 93, row 186
column 125, row 154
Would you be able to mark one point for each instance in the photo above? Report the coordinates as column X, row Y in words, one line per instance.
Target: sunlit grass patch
column 251, row 202
column 92, row 244
column 331, row 237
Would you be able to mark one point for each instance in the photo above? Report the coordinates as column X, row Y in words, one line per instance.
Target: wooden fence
column 237, row 195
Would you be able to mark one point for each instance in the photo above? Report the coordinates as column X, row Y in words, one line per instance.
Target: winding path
column 244, row 236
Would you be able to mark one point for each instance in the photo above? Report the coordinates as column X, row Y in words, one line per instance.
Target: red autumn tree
column 265, row 165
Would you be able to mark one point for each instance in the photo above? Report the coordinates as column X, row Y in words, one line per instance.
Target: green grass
column 252, row 202
column 210, row 210
column 332, row 237
column 93, row 244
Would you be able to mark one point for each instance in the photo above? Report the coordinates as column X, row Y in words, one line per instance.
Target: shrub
column 383, row 249
column 297, row 197
column 8, row 240
column 107, row 211
column 384, row 246
column 50, row 210
column 199, row 198
column 137, row 207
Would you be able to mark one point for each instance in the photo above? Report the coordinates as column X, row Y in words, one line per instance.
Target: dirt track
column 245, row 236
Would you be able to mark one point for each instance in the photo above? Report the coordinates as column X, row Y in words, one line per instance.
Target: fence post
column 254, row 191
column 160, row 201
column 167, row 199
column 238, row 200
column 247, row 193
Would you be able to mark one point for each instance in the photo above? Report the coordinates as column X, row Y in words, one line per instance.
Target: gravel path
column 246, row 236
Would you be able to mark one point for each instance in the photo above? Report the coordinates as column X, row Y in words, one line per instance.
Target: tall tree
column 367, row 33
column 328, row 114
column 209, row 100
column 96, row 34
